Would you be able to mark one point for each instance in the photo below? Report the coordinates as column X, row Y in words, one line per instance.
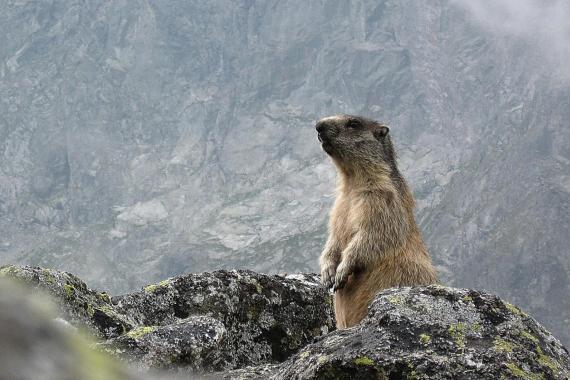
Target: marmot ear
column 381, row 132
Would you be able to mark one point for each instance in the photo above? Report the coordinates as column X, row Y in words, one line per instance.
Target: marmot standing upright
column 374, row 242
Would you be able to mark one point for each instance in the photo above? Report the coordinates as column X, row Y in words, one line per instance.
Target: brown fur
column 374, row 242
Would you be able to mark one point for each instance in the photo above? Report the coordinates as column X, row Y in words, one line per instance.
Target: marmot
column 374, row 242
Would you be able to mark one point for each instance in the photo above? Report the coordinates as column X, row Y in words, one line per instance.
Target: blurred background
column 145, row 139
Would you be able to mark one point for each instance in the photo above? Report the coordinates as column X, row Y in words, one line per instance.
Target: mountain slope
column 144, row 140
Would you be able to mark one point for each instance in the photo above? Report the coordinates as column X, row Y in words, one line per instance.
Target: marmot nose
column 321, row 125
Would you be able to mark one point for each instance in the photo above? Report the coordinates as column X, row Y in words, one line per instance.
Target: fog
column 543, row 25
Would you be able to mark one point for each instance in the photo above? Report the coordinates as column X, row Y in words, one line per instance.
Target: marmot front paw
column 328, row 272
column 342, row 272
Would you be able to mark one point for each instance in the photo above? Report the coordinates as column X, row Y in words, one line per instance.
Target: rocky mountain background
column 145, row 139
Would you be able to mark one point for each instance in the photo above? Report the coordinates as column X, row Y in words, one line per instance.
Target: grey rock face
column 198, row 322
column 197, row 343
column 430, row 333
column 252, row 318
column 33, row 346
column 245, row 325
column 149, row 139
column 76, row 302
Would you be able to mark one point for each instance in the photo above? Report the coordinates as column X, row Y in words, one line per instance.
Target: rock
column 252, row 318
column 430, row 333
column 245, row 325
column 197, row 342
column 35, row 346
column 77, row 303
column 201, row 322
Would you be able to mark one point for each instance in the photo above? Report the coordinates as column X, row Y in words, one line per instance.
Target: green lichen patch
column 547, row 361
column 258, row 286
column 104, row 297
column 8, row 270
column 322, row 359
column 425, row 339
column 521, row 374
column 513, row 309
column 69, row 290
column 501, row 345
column 90, row 310
column 412, row 375
column 107, row 310
column 49, row 277
column 395, row 300
column 529, row 336
column 364, row 360
column 139, row 332
column 304, row 354
column 154, row 287
column 467, row 299
column 253, row 313
column 457, row 332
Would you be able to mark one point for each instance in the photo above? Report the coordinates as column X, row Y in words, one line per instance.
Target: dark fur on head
column 358, row 144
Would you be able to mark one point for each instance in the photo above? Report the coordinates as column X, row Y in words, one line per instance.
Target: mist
column 543, row 25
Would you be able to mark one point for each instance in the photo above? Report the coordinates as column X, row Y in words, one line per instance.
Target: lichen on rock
column 265, row 318
column 34, row 345
column 202, row 322
column 431, row 332
column 78, row 304
column 246, row 325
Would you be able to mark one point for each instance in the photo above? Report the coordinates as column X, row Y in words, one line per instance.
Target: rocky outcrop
column 77, row 303
column 434, row 333
column 234, row 319
column 34, row 345
column 203, row 322
column 241, row 324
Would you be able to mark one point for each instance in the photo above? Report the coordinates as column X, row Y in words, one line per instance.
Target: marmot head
column 357, row 142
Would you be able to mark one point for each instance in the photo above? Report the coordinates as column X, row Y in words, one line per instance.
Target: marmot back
column 374, row 242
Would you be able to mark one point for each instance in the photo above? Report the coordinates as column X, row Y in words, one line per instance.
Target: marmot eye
column 353, row 124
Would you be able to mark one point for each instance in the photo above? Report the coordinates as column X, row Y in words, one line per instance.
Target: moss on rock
column 457, row 332
column 519, row 373
column 363, row 360
column 141, row 331
column 425, row 338
column 155, row 287
column 501, row 345
column 513, row 309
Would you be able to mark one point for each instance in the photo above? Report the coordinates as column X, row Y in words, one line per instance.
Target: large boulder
column 76, row 303
column 429, row 333
column 199, row 322
column 234, row 319
column 241, row 324
column 34, row 344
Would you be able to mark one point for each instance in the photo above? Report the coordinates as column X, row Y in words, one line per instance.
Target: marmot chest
column 344, row 218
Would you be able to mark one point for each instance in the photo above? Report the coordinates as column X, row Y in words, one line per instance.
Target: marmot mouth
column 325, row 143
column 327, row 147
